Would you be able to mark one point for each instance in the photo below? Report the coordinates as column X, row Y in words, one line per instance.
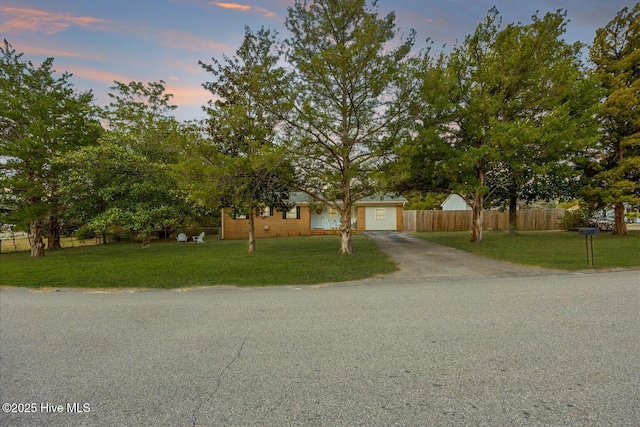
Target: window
column 333, row 214
column 267, row 211
column 293, row 213
column 381, row 214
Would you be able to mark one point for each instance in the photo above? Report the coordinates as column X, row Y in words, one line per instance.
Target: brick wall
column 278, row 227
column 275, row 225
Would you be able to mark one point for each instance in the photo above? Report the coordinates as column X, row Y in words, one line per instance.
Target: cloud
column 265, row 12
column 192, row 97
column 183, row 94
column 21, row 19
column 245, row 8
column 233, row 6
column 48, row 51
column 101, row 76
column 188, row 95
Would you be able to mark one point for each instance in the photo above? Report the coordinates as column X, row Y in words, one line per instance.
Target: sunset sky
column 100, row 41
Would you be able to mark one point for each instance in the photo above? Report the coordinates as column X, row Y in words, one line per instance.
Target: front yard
column 550, row 249
column 278, row 261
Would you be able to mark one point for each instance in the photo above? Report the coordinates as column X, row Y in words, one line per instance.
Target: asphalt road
column 510, row 346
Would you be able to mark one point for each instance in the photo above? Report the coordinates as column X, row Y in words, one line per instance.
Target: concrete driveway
column 424, row 260
column 511, row 347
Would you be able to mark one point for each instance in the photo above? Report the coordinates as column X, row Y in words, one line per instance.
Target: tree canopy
column 41, row 116
column 239, row 165
column 125, row 180
column 349, row 99
column 505, row 108
column 614, row 177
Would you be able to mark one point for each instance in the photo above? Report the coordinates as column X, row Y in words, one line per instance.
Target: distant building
column 455, row 202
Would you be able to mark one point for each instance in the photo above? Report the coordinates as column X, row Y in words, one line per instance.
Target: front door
column 317, row 220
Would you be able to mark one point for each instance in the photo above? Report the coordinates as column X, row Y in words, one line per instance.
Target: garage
column 380, row 218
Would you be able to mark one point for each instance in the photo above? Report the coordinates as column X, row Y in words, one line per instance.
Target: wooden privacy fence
column 528, row 220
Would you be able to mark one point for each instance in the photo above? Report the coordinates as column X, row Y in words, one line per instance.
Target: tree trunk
column 620, row 227
column 345, row 232
column 36, row 240
column 513, row 214
column 478, row 218
column 53, row 240
column 252, row 232
column 146, row 240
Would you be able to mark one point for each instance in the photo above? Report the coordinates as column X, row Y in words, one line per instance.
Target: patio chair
column 182, row 238
column 200, row 238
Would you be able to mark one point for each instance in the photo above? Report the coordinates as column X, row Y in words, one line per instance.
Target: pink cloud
column 265, row 12
column 233, row 6
column 245, row 8
column 99, row 75
column 56, row 53
column 21, row 19
column 188, row 95
column 183, row 94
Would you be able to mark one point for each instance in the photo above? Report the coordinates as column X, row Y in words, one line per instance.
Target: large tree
column 41, row 117
column 140, row 115
column 349, row 99
column 126, row 180
column 616, row 54
column 110, row 186
column 548, row 101
column 503, row 109
column 239, row 164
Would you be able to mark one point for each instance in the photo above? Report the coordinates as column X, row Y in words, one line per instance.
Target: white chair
column 200, row 238
column 182, row 238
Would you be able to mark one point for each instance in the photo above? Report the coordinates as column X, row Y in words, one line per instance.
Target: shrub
column 575, row 218
column 84, row 233
column 632, row 217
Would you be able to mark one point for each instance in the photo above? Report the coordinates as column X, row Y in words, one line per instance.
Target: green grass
column 563, row 250
column 278, row 261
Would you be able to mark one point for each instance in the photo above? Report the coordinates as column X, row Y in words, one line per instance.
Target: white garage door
column 380, row 218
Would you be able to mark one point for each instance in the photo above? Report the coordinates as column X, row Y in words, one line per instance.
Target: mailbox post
column 588, row 233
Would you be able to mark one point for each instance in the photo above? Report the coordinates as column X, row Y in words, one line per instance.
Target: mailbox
column 589, row 231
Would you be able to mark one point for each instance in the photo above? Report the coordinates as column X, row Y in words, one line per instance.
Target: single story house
column 308, row 217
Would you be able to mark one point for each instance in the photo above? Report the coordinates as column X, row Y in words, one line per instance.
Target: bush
column 85, row 233
column 574, row 219
column 113, row 235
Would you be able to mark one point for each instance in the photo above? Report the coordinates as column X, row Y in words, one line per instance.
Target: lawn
column 551, row 249
column 278, row 261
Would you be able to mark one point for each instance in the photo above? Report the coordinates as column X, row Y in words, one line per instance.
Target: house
column 308, row 217
column 455, row 202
